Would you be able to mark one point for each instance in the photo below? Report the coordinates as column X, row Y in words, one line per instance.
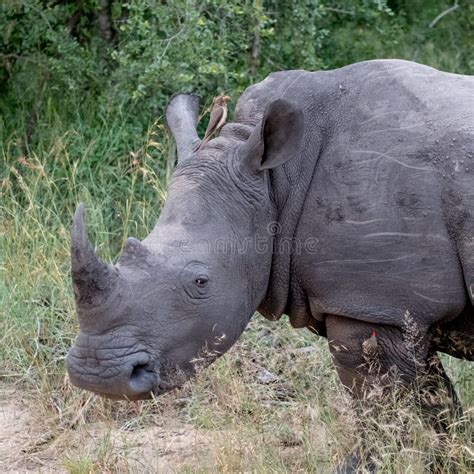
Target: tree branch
column 255, row 51
column 104, row 22
column 443, row 14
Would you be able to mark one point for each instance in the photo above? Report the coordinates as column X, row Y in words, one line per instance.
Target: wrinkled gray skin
column 373, row 162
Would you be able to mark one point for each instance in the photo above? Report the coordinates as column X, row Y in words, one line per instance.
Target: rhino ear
column 276, row 139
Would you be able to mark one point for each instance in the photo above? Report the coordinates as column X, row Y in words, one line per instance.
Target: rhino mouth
column 134, row 376
column 158, row 390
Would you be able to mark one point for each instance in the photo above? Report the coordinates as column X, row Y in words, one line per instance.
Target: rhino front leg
column 373, row 359
column 365, row 354
column 441, row 403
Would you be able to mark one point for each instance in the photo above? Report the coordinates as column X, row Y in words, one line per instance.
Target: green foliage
column 59, row 67
column 401, row 29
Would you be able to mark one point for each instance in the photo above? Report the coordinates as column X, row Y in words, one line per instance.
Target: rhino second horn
column 92, row 278
column 134, row 253
column 182, row 117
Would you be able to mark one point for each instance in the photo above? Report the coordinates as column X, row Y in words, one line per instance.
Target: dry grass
column 230, row 419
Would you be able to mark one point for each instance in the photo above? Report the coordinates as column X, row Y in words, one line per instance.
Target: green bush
column 62, row 69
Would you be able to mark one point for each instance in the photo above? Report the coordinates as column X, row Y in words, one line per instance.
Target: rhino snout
column 134, row 376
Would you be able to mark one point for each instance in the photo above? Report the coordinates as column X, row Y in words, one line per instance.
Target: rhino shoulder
column 254, row 99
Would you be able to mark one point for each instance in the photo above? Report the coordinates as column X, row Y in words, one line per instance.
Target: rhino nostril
column 139, row 370
column 143, row 378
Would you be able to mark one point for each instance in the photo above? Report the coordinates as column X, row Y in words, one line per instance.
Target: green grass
column 302, row 422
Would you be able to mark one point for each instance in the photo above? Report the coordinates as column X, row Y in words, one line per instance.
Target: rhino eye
column 201, row 280
column 195, row 280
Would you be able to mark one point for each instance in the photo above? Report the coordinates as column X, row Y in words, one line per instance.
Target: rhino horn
column 182, row 117
column 93, row 280
column 134, row 253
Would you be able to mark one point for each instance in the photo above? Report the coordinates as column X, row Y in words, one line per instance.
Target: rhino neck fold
column 289, row 184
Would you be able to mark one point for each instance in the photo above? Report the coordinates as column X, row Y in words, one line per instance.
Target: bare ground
column 27, row 445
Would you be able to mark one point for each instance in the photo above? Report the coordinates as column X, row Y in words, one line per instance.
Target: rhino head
column 182, row 296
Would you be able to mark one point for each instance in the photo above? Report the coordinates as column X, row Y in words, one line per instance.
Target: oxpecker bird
column 370, row 346
column 217, row 118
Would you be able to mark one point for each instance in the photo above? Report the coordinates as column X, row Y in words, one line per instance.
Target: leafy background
column 89, row 65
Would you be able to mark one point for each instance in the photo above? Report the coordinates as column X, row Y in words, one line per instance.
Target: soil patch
column 15, row 428
column 102, row 447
